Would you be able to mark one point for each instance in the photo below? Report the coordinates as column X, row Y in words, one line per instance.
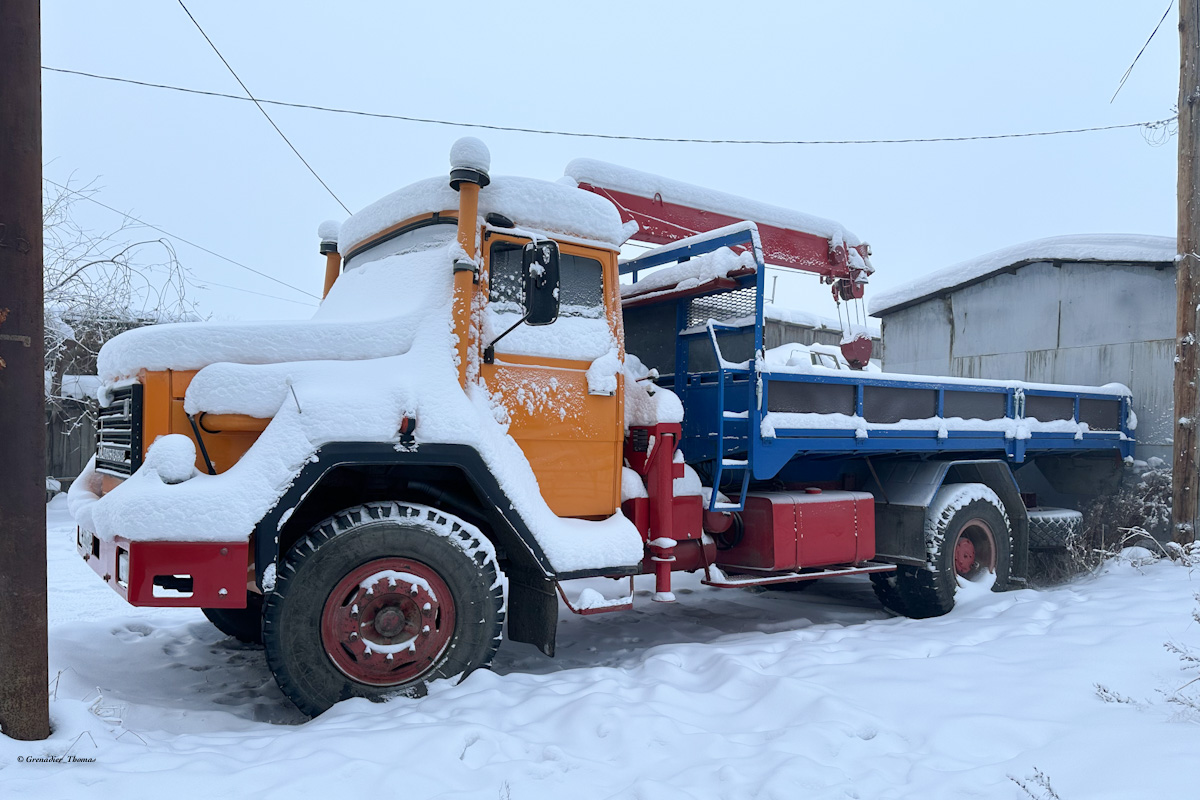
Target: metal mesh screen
column 721, row 307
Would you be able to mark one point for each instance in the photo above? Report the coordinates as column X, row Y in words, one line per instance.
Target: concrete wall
column 1071, row 323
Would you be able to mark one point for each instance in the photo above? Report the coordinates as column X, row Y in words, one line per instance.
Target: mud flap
column 532, row 611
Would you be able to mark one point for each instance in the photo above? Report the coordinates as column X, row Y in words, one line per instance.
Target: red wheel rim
column 964, row 556
column 388, row 621
column 974, row 550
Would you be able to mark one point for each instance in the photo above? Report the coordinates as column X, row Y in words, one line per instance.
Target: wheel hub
column 974, row 550
column 388, row 621
column 964, row 556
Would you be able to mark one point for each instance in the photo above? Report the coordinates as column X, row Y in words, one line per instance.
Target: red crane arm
column 661, row 222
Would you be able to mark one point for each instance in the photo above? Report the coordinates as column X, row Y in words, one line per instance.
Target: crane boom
column 667, row 211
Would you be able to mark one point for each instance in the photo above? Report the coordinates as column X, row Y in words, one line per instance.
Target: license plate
column 112, row 453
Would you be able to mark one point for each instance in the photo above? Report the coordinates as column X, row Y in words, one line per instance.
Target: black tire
column 887, row 591
column 243, row 624
column 311, row 658
column 968, row 511
column 1053, row 528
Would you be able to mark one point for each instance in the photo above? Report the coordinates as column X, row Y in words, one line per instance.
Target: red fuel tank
column 797, row 530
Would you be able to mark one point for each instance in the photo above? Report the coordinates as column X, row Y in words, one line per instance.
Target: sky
column 213, row 170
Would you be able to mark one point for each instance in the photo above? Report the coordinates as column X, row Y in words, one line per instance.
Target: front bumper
column 172, row 574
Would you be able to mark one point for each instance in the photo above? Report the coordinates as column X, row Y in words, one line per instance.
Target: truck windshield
column 427, row 237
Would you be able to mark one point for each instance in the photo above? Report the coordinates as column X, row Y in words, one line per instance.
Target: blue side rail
column 746, row 420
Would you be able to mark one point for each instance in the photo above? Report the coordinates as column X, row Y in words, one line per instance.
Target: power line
column 1129, row 71
column 166, row 232
column 577, row 134
column 260, row 108
column 204, row 283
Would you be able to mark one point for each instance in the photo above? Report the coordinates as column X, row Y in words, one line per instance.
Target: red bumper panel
column 189, row 574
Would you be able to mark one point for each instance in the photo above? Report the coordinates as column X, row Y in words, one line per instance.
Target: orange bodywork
column 162, row 401
column 573, row 440
column 575, row 450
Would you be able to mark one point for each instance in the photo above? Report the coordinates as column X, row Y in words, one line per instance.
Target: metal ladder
column 725, row 417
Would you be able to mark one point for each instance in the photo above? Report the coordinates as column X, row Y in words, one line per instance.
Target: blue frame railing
column 713, row 400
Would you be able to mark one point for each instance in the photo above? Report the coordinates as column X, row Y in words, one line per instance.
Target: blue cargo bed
column 747, row 417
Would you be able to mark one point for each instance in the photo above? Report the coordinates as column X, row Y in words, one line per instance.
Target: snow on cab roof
column 645, row 184
column 530, row 203
column 1120, row 248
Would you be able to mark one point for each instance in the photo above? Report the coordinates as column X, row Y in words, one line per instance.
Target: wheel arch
column 452, row 477
column 905, row 491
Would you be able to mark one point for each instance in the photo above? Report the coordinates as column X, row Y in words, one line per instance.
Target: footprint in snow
column 132, row 631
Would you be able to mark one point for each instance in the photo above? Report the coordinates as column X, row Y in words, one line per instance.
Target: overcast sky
column 214, row 171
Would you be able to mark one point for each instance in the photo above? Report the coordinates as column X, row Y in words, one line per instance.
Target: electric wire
column 1129, row 71
column 177, row 237
column 204, row 283
column 1149, row 125
column 260, row 108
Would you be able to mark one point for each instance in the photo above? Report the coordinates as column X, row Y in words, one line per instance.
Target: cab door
column 572, row 436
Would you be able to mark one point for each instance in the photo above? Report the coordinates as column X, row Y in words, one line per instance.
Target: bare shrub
column 97, row 285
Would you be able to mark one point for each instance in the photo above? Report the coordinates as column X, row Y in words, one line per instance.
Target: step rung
column 734, row 462
column 723, row 581
column 736, row 415
column 727, row 507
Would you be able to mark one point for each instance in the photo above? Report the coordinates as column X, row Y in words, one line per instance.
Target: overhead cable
column 1149, row 125
column 251, row 97
column 176, row 236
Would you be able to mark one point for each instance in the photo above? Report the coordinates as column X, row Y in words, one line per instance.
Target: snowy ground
column 726, row 694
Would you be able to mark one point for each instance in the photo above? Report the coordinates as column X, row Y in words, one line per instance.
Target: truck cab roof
column 532, row 204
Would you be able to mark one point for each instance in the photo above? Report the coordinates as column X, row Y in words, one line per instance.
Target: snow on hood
column 528, row 202
column 333, row 380
column 646, row 184
column 366, row 315
column 1121, row 248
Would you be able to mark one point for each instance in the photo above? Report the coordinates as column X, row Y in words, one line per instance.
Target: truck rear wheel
column 243, row 624
column 967, row 538
column 887, row 590
column 377, row 601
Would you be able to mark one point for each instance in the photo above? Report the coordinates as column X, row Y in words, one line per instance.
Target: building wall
column 1071, row 323
column 777, row 332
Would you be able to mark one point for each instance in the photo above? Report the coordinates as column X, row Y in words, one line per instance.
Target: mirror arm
column 489, row 352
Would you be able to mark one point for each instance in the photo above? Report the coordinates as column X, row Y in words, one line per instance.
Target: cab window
column 581, row 286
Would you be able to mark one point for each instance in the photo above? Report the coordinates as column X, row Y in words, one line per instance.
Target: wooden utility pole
column 24, row 706
column 1187, row 304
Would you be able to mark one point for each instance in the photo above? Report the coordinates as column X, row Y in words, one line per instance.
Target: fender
column 508, row 527
column 905, row 489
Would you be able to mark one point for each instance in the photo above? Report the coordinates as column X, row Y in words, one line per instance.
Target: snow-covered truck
column 481, row 411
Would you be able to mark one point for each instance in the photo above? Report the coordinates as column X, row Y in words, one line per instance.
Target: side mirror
column 540, row 266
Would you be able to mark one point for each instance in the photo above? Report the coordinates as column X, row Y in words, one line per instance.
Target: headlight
column 86, row 543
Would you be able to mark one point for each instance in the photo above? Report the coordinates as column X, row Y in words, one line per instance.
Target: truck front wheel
column 243, row 624
column 967, row 538
column 377, row 601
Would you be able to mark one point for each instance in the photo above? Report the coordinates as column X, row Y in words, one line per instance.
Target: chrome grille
column 119, row 432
